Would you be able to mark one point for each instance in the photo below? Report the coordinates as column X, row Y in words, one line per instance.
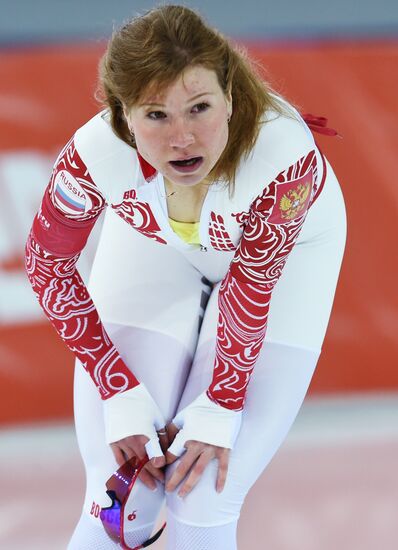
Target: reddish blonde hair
column 151, row 51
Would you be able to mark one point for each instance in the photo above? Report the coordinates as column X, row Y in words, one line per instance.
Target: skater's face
column 183, row 130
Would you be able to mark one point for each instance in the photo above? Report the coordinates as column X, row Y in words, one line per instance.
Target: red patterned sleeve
column 69, row 210
column 271, row 228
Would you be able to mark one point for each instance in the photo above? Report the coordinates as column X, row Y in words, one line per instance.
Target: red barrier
column 46, row 93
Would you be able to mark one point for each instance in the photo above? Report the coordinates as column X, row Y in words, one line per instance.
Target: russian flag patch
column 69, row 195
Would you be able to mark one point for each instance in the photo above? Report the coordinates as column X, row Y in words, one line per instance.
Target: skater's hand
column 193, row 463
column 134, row 445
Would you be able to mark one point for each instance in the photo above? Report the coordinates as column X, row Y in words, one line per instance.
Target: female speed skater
column 210, row 294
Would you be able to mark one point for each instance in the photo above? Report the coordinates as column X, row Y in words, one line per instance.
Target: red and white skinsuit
column 148, row 317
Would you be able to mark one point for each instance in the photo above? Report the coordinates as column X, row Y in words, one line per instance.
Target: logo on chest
column 139, row 215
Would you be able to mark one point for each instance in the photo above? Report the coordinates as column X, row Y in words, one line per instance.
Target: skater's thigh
column 275, row 394
column 162, row 364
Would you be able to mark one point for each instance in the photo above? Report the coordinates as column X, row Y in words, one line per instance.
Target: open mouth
column 187, row 165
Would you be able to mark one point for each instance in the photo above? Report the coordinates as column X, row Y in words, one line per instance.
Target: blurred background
column 333, row 484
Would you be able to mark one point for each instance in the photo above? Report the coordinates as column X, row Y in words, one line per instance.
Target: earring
column 229, row 119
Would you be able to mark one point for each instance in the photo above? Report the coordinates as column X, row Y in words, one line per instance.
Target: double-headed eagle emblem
column 294, row 201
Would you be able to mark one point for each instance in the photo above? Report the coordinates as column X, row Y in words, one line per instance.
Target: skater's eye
column 200, row 107
column 156, row 115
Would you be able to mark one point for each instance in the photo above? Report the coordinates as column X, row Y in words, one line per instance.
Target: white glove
column 134, row 412
column 206, row 421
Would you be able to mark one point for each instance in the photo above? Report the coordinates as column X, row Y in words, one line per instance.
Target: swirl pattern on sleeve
column 271, row 228
column 69, row 209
